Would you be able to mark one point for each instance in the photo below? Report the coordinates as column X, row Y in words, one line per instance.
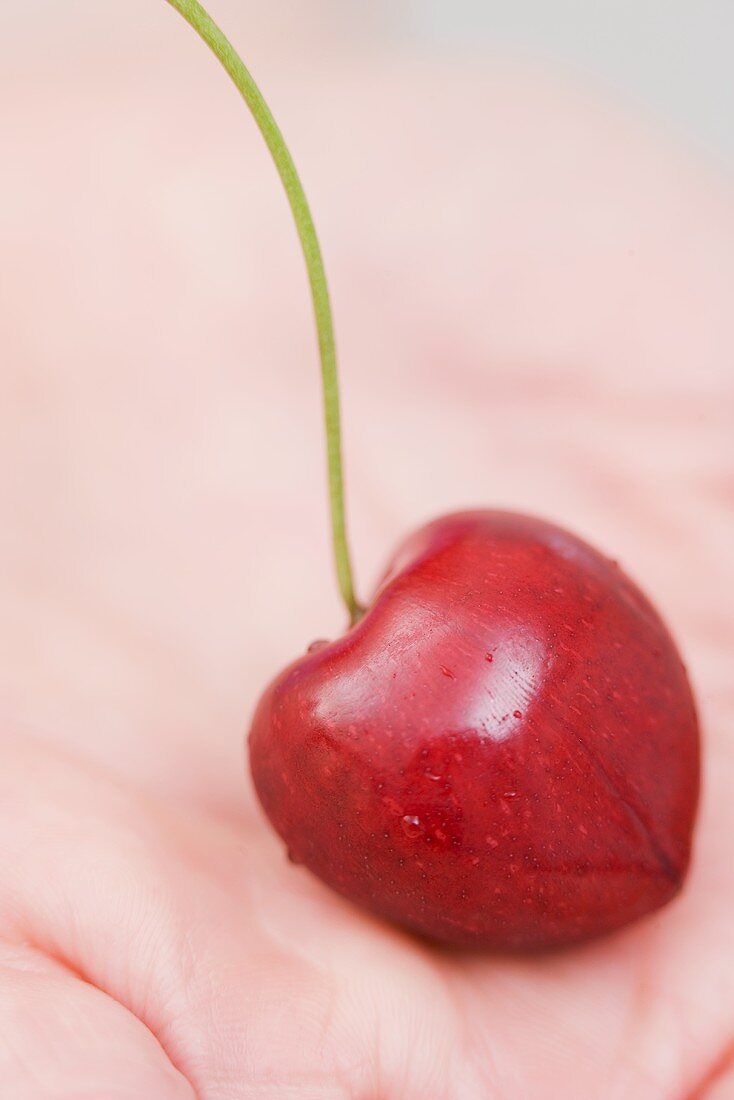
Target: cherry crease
column 502, row 753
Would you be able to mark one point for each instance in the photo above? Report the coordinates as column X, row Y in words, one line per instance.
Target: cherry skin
column 504, row 751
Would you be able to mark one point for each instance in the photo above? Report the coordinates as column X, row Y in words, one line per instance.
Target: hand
column 533, row 312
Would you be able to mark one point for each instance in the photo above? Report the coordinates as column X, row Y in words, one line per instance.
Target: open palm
column 533, row 314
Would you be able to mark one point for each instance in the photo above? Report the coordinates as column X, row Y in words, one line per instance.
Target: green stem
column 210, row 33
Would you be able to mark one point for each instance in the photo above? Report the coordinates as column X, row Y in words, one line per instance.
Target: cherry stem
column 210, row 33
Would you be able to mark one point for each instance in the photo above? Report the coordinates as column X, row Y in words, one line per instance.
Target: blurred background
column 670, row 58
column 526, row 213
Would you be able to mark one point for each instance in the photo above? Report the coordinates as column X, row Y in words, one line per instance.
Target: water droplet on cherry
column 412, row 825
column 320, row 643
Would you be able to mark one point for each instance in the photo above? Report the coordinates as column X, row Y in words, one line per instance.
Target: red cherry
column 502, row 753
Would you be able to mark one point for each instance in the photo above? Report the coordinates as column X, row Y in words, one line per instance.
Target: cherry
column 502, row 751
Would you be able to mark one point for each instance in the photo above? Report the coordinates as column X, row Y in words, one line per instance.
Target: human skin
column 533, row 312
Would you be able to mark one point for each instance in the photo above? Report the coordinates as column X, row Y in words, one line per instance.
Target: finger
column 61, row 1037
